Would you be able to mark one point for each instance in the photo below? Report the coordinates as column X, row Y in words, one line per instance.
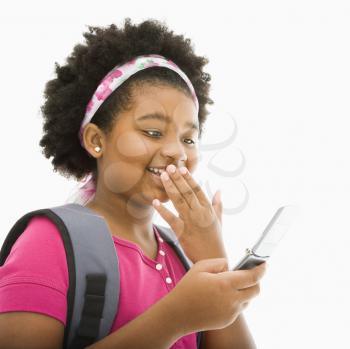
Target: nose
column 175, row 150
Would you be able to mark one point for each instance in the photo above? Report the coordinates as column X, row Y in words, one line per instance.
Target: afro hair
column 67, row 95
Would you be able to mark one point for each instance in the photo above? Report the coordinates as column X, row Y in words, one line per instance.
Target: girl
column 125, row 115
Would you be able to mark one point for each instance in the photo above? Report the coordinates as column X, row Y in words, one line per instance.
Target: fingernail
column 183, row 170
column 164, row 176
column 156, row 202
column 219, row 195
column 171, row 168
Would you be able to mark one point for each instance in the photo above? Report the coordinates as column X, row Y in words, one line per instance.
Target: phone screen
column 275, row 230
column 269, row 239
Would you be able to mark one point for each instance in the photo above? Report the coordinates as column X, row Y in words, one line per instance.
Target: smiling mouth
column 156, row 173
column 156, row 179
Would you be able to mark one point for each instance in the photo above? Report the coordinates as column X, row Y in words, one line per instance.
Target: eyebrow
column 166, row 119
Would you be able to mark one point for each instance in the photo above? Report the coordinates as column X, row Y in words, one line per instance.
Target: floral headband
column 86, row 189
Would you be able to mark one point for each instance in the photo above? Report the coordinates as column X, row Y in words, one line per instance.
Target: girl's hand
column 198, row 226
column 210, row 297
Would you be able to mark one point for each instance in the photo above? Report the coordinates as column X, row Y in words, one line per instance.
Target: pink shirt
column 34, row 277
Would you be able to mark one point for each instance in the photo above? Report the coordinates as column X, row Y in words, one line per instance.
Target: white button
column 168, row 280
column 160, row 239
column 159, row 266
column 162, row 252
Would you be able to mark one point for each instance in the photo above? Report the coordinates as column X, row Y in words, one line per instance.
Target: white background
column 281, row 69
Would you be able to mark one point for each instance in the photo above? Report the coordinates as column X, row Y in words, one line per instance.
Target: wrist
column 196, row 252
column 173, row 313
column 219, row 253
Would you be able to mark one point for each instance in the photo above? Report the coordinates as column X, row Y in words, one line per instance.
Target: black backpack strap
column 88, row 329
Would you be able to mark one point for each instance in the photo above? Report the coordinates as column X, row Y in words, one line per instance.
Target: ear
column 93, row 137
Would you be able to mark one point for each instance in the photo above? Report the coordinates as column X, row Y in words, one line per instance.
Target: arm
column 234, row 336
column 158, row 327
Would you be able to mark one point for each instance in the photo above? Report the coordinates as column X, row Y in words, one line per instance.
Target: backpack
column 92, row 261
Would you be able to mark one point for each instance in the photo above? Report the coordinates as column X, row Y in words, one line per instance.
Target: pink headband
column 86, row 190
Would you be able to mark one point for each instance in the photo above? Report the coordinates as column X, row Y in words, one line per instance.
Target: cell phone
column 269, row 239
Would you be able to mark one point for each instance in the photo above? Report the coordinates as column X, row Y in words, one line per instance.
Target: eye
column 149, row 132
column 193, row 142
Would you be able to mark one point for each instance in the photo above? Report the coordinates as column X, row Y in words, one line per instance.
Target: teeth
column 156, row 170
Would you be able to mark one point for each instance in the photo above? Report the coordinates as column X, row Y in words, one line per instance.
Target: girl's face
column 160, row 128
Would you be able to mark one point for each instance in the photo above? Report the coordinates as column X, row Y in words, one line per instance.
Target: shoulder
column 38, row 252
column 34, row 277
column 40, row 238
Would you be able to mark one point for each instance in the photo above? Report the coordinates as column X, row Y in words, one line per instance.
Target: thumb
column 212, row 265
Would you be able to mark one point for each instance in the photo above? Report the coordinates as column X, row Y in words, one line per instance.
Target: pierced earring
column 97, row 148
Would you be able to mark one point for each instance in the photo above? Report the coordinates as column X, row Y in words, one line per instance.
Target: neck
column 127, row 217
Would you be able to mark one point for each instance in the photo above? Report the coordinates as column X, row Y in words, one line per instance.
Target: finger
column 166, row 214
column 254, row 276
column 212, row 265
column 241, row 279
column 216, row 200
column 202, row 198
column 183, row 187
column 248, row 293
column 219, row 201
column 174, row 195
column 217, row 205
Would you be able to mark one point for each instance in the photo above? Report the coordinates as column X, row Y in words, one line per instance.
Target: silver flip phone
column 269, row 239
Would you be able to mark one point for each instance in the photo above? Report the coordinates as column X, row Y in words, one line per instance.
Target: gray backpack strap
column 169, row 236
column 93, row 270
column 93, row 293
